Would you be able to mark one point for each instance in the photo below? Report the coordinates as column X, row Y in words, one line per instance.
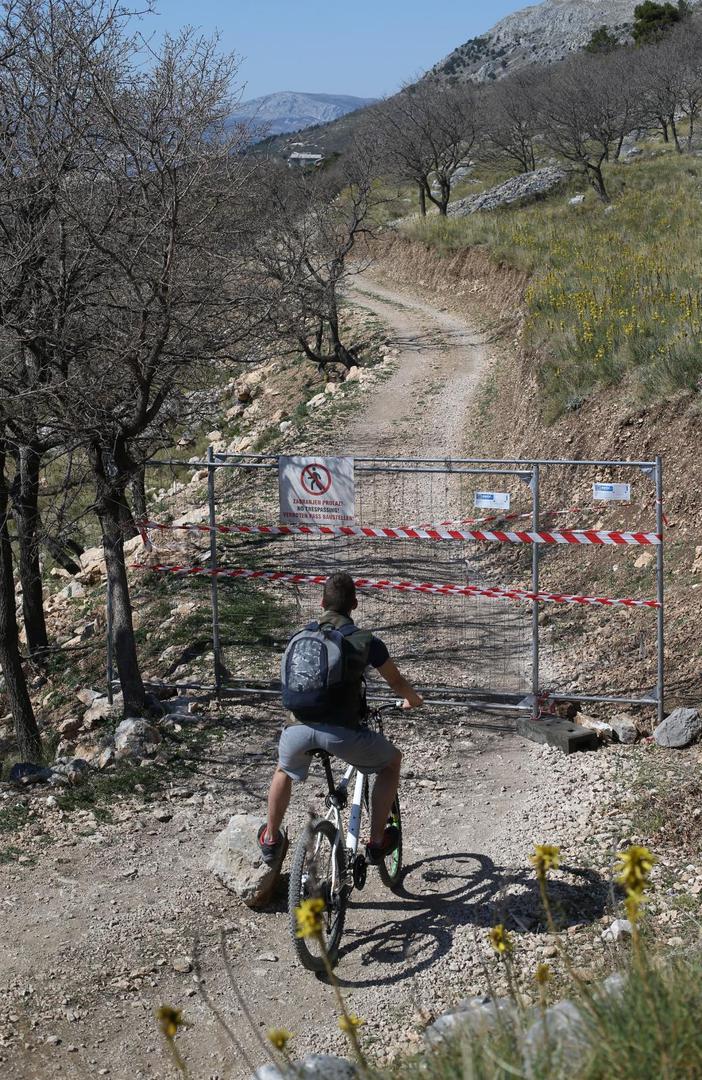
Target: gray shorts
column 368, row 750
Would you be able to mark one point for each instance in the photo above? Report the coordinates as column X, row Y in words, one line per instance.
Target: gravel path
column 99, row 922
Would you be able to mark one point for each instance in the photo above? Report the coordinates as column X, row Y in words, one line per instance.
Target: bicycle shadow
column 444, row 892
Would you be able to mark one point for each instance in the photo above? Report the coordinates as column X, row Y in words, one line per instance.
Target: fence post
column 660, row 590
column 213, row 564
column 535, row 553
column 108, row 620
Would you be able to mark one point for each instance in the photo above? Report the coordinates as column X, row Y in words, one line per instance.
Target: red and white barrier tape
column 440, row 589
column 565, row 536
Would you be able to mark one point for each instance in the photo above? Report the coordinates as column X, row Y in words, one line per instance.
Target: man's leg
column 278, row 802
column 384, row 792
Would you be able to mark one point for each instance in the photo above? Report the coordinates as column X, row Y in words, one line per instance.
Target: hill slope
column 289, row 110
column 540, row 34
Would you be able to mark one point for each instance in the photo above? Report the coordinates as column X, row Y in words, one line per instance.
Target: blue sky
column 363, row 47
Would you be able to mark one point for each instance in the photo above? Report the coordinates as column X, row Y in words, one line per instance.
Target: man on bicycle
column 343, row 734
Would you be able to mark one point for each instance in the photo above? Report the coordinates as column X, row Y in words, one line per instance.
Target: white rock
column 576, row 200
column 619, row 929
column 312, row 1067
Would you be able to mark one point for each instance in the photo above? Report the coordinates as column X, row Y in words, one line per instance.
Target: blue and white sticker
column 492, row 500
column 611, row 492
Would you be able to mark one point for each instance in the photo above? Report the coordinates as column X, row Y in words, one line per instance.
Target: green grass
column 651, row 1031
column 615, row 296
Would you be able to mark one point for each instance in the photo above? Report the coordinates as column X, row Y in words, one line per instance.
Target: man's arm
column 399, row 685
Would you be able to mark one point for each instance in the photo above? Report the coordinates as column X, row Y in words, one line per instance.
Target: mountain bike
column 327, row 862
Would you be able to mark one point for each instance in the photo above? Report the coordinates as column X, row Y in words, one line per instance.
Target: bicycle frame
column 350, row 841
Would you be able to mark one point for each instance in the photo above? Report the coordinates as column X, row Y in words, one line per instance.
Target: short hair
column 339, row 593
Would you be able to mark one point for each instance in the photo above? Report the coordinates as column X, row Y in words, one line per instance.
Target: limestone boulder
column 679, row 729
column 236, row 861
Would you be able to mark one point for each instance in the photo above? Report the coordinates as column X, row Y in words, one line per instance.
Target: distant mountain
column 288, row 111
column 540, row 34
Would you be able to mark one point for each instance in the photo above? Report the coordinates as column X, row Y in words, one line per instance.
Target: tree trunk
column 26, row 730
column 342, row 354
column 597, row 180
column 110, row 507
column 618, row 151
column 422, row 202
column 674, row 132
column 25, row 499
column 664, row 128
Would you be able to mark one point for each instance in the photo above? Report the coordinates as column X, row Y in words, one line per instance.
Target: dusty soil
column 99, row 916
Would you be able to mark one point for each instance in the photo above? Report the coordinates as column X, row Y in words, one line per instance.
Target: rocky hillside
column 540, row 34
column 282, row 113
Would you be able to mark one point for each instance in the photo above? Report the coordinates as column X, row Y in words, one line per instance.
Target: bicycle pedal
column 360, row 871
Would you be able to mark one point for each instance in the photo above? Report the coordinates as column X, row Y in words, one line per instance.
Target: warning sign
column 316, row 490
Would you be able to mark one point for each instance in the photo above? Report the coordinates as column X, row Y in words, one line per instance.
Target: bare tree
column 310, row 222
column 428, row 131
column 670, row 79
column 587, row 106
column 130, row 280
column 511, row 121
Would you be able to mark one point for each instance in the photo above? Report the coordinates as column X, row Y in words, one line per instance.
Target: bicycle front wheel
column 318, row 870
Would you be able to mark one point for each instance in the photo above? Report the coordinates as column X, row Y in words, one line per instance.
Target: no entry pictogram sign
column 316, row 479
column 317, row 490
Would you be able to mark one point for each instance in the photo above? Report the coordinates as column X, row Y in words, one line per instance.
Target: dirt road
column 99, row 925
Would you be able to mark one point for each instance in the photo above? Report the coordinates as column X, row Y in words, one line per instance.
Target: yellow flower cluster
column 500, row 940
column 309, row 916
column 170, row 1020
column 545, row 858
column 350, row 1023
column 279, row 1038
column 635, row 865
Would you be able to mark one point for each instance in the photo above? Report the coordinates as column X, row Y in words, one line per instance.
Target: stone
column 644, row 559
column 475, row 1015
column 87, row 696
column 678, row 729
column 614, row 985
column 182, row 964
column 353, row 375
column 331, row 388
column 562, row 1028
column 316, row 401
column 135, row 737
column 602, row 729
column 624, row 727
column 523, row 188
column 577, row 200
column 287, row 425
column 697, row 561
column 72, row 772
column 25, row 772
column 162, row 813
column 105, row 758
column 101, row 709
column 311, row 1067
column 619, row 929
column 73, row 591
column 236, row 861
column 69, row 728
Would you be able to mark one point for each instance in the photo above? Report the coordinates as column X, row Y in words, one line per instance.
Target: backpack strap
column 347, row 629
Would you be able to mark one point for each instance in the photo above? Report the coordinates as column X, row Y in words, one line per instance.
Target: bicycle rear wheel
column 390, row 868
column 318, row 870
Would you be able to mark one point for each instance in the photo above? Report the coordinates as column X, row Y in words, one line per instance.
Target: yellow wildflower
column 542, row 974
column 350, row 1023
column 545, row 858
column 500, row 940
column 279, row 1038
column 635, row 867
column 170, row 1020
column 309, row 917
